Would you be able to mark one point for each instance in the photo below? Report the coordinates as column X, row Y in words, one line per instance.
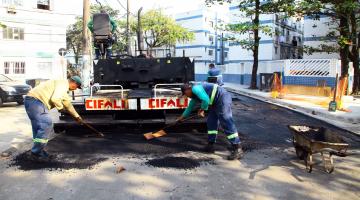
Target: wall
column 241, row 73
column 315, row 32
column 44, row 35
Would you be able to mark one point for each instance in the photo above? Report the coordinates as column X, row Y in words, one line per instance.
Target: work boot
column 209, row 148
column 235, row 152
column 42, row 156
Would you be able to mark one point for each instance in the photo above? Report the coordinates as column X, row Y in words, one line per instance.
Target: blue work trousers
column 98, row 54
column 220, row 113
column 40, row 121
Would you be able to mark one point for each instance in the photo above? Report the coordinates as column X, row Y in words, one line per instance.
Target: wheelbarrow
column 309, row 140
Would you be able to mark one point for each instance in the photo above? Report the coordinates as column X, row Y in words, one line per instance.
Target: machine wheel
column 1, row 102
column 299, row 152
column 328, row 162
column 308, row 161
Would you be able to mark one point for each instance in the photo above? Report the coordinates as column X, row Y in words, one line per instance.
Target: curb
column 336, row 121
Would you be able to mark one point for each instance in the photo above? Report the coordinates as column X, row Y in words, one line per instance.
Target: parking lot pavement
column 174, row 167
column 15, row 126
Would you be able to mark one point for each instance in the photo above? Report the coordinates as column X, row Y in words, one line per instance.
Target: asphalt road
column 173, row 167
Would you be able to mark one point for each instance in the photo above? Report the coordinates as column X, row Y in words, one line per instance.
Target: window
column 211, row 52
column 14, row 67
column 276, row 50
column 211, row 39
column 12, row 2
column 226, row 54
column 19, row 68
column 6, row 68
column 43, row 4
column 13, row 33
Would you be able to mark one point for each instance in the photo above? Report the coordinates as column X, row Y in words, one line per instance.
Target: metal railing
column 157, row 89
column 99, row 86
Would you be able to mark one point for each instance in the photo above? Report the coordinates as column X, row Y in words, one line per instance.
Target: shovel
column 98, row 133
column 160, row 133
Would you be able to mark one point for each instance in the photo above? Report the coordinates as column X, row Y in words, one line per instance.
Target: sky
column 170, row 6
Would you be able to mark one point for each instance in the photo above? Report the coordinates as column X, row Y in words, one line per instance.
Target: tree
column 2, row 25
column 252, row 9
column 355, row 49
column 344, row 22
column 74, row 38
column 161, row 30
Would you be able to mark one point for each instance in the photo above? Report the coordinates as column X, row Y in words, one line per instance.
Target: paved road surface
column 270, row 170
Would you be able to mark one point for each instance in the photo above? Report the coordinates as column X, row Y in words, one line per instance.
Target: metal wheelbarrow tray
column 309, row 140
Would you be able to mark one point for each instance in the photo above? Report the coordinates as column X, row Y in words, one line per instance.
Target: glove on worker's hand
column 201, row 113
column 179, row 119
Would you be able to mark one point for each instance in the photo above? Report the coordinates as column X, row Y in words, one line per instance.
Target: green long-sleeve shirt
column 113, row 24
column 201, row 94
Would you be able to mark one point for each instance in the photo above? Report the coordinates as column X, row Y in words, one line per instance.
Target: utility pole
column 86, row 52
column 128, row 37
column 140, row 36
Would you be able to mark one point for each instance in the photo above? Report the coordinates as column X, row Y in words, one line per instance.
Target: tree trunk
column 256, row 22
column 344, row 49
column 355, row 38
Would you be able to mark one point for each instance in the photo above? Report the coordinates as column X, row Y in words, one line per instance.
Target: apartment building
column 34, row 32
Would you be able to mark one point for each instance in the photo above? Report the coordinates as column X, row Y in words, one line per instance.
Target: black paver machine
column 126, row 89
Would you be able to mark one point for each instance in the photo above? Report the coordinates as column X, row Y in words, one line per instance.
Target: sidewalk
column 15, row 129
column 15, row 132
column 348, row 121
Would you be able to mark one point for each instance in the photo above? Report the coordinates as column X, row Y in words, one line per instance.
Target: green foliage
column 74, row 38
column 252, row 9
column 238, row 30
column 2, row 25
column 335, row 9
column 161, row 30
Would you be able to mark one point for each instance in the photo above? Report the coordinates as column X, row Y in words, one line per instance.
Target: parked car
column 12, row 91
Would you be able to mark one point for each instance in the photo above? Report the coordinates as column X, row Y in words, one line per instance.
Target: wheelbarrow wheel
column 328, row 162
column 308, row 161
column 299, row 152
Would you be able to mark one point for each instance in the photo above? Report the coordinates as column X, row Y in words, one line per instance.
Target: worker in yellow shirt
column 44, row 97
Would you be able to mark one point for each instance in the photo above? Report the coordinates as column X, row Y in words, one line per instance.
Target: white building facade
column 208, row 46
column 35, row 31
column 285, row 42
column 315, row 34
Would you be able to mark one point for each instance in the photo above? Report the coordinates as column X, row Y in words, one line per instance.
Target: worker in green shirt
column 218, row 102
column 93, row 28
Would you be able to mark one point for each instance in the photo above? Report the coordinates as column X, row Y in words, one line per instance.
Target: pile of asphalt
column 75, row 151
column 259, row 123
column 178, row 162
column 25, row 162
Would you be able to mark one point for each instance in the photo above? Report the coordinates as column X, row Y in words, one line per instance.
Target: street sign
column 62, row 51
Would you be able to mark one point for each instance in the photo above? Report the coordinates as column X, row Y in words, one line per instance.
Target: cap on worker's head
column 185, row 87
column 77, row 80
